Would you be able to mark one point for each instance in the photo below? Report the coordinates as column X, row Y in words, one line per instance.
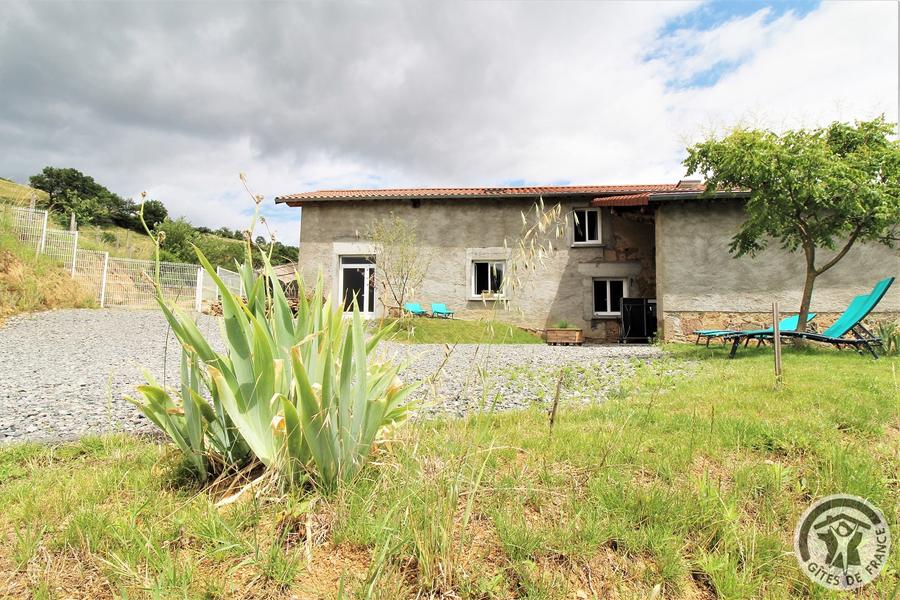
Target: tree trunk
column 806, row 300
column 810, row 251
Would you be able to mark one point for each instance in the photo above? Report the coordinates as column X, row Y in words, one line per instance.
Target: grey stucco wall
column 456, row 231
column 696, row 273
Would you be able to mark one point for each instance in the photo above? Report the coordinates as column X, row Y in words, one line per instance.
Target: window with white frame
column 586, row 226
column 487, row 277
column 608, row 294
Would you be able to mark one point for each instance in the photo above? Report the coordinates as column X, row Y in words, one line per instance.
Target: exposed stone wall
column 696, row 274
column 457, row 231
column 680, row 325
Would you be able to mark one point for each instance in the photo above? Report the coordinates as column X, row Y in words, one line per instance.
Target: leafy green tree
column 155, row 212
column 177, row 237
column 810, row 189
column 57, row 182
column 87, row 209
column 71, row 191
column 221, row 251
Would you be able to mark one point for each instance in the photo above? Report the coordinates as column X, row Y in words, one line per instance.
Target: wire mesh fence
column 231, row 280
column 113, row 281
column 61, row 246
column 90, row 265
column 28, row 225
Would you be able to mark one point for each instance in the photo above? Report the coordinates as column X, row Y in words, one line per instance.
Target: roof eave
column 698, row 195
column 294, row 201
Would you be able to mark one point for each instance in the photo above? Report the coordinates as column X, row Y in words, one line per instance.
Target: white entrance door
column 358, row 282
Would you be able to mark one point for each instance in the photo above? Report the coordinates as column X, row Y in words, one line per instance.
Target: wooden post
column 72, row 225
column 776, row 341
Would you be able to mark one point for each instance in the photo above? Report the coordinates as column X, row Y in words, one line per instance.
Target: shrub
column 301, row 393
column 890, row 337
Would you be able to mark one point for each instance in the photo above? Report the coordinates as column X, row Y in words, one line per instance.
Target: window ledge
column 586, row 244
column 487, row 298
column 612, row 315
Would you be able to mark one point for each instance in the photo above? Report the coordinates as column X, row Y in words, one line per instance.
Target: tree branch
column 843, row 251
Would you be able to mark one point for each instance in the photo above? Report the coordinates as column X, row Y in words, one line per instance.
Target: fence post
column 198, row 293
column 776, row 341
column 43, row 241
column 74, row 253
column 103, row 279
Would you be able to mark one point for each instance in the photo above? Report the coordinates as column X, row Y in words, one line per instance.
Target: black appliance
column 638, row 322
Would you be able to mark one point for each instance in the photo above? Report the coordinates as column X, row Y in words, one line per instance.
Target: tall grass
column 31, row 282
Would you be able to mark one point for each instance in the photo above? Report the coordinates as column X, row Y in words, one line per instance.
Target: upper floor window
column 586, row 226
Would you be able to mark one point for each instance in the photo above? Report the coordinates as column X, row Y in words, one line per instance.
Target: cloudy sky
column 178, row 98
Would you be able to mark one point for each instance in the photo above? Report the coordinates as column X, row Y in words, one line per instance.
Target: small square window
column 487, row 277
column 608, row 294
column 586, row 226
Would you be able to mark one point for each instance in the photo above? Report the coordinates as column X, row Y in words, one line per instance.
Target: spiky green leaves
column 302, row 393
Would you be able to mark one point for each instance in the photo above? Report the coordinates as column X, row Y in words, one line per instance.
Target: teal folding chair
column 414, row 308
column 849, row 323
column 441, row 310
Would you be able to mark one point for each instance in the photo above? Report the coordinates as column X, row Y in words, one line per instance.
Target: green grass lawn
column 690, row 480
column 426, row 330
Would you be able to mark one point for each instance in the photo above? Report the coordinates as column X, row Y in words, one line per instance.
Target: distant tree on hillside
column 155, row 212
column 57, row 182
column 177, row 239
column 810, row 190
column 71, row 191
column 87, row 209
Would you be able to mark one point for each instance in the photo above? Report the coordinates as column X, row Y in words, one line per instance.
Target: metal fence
column 118, row 282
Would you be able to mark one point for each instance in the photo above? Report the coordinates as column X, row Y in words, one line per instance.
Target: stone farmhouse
column 665, row 244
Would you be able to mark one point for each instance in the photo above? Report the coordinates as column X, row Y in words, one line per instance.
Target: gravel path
column 63, row 373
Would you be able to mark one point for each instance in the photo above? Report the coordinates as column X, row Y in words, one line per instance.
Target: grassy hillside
column 18, row 194
column 31, row 283
column 125, row 243
column 118, row 241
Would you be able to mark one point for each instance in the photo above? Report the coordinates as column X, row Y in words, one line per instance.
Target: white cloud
column 179, row 98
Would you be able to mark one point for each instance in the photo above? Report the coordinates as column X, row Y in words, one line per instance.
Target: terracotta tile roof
column 482, row 192
column 627, row 200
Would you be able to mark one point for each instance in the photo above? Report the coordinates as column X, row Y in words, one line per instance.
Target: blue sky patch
column 709, row 16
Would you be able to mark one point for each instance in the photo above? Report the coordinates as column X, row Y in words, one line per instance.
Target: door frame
column 367, row 289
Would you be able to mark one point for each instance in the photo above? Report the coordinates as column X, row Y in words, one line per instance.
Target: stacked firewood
column 215, row 308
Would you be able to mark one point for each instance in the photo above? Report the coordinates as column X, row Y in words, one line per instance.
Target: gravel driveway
column 63, row 373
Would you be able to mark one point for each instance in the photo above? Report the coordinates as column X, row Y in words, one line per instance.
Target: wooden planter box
column 564, row 337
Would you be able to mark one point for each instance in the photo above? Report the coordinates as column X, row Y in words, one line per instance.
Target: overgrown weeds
column 31, row 282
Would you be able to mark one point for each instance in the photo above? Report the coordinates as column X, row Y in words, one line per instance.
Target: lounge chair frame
column 862, row 341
